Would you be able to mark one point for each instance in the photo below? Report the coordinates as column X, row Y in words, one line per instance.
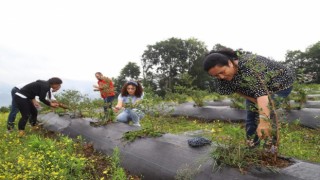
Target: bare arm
column 249, row 98
column 264, row 125
column 264, row 115
column 119, row 106
column 36, row 103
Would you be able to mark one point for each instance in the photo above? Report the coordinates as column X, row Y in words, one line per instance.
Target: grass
column 37, row 157
column 299, row 142
column 295, row 140
column 47, row 155
column 42, row 155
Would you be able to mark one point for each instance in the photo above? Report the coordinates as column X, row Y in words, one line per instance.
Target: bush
column 4, row 109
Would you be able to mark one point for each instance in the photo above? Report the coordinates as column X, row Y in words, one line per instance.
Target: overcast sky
column 73, row 39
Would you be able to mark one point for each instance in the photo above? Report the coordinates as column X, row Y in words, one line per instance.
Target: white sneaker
column 136, row 124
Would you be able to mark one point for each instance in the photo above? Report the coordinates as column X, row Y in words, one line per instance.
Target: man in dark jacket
column 24, row 96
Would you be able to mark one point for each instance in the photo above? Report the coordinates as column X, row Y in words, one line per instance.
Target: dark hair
column 99, row 73
column 219, row 58
column 138, row 92
column 55, row 80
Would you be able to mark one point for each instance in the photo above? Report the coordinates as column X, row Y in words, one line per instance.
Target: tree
column 295, row 59
column 218, row 47
column 130, row 71
column 164, row 61
column 309, row 61
column 196, row 53
column 313, row 61
column 4, row 109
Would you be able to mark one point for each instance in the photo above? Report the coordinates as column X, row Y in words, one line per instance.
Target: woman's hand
column 36, row 103
column 264, row 129
column 96, row 88
column 117, row 108
column 54, row 104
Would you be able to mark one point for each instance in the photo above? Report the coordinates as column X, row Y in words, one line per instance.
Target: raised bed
column 228, row 102
column 309, row 117
column 164, row 157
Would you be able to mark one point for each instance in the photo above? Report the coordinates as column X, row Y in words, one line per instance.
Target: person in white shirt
column 25, row 95
column 14, row 109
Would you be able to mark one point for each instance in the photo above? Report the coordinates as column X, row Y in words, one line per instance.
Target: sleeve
column 120, row 98
column 42, row 97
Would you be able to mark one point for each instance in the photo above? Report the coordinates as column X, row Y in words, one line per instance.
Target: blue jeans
column 130, row 114
column 107, row 103
column 13, row 110
column 253, row 114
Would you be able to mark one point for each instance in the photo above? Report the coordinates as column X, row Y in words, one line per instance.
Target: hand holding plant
column 54, row 104
column 96, row 88
column 117, row 109
column 264, row 129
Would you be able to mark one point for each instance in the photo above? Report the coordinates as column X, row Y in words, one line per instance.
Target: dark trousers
column 107, row 103
column 27, row 111
column 13, row 110
column 253, row 114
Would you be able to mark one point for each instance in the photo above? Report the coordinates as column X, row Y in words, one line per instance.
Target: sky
column 73, row 39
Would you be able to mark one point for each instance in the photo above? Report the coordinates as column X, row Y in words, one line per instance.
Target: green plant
column 45, row 154
column 176, row 97
column 81, row 105
column 118, row 172
column 87, row 106
column 142, row 133
column 106, row 118
column 230, row 149
column 217, row 97
column 197, row 96
column 35, row 157
column 238, row 101
column 300, row 91
column 153, row 108
column 187, row 172
column 4, row 109
column 260, row 78
column 71, row 98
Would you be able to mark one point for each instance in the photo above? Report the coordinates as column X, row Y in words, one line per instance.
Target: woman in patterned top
column 255, row 78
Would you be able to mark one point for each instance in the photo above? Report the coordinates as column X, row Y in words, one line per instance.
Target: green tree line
column 164, row 63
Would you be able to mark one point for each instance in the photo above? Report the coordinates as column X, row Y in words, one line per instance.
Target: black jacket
column 39, row 88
